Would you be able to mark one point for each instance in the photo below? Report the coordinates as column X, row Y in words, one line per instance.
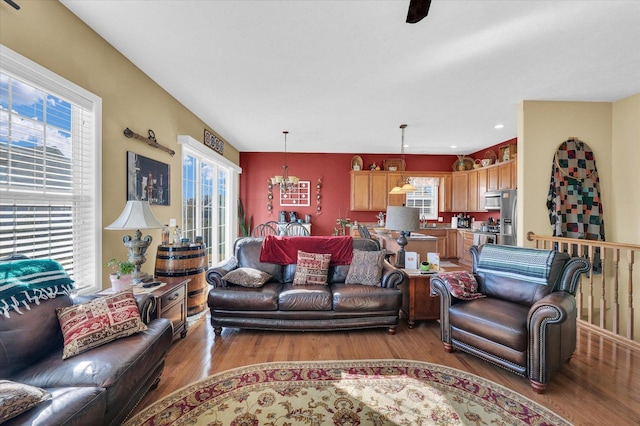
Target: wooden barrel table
column 175, row 263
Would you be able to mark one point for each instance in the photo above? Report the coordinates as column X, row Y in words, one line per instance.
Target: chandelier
column 403, row 185
column 285, row 182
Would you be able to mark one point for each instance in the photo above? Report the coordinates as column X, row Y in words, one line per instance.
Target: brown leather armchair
column 525, row 325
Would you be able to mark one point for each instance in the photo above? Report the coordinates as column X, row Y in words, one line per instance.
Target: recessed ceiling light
column 499, row 126
column 454, row 146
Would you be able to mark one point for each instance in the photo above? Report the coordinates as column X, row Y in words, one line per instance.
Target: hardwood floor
column 600, row 386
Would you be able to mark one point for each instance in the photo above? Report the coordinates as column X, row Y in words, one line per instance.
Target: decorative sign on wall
column 213, row 142
column 298, row 195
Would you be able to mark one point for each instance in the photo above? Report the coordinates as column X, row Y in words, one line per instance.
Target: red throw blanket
column 284, row 250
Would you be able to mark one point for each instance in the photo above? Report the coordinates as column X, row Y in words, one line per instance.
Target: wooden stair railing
column 609, row 282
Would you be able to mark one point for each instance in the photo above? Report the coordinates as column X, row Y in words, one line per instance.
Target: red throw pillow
column 462, row 285
column 312, row 268
column 102, row 320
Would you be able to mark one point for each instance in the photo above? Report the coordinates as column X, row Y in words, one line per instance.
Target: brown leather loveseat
column 526, row 321
column 98, row 387
column 281, row 305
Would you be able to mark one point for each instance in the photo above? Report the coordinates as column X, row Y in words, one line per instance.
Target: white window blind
column 49, row 169
column 425, row 197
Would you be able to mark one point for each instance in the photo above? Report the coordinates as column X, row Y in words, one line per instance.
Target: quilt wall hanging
column 574, row 202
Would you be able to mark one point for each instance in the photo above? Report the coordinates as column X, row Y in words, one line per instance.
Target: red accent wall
column 259, row 167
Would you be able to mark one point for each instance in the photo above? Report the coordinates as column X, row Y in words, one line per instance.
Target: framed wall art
column 298, row 195
column 147, row 179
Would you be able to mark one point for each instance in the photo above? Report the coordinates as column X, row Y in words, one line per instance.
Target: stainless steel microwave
column 492, row 200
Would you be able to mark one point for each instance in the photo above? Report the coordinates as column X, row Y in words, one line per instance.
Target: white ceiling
column 341, row 76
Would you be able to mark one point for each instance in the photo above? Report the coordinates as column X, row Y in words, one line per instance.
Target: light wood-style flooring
column 600, row 386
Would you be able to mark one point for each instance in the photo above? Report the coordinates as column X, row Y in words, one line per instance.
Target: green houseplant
column 121, row 273
column 245, row 227
column 343, row 224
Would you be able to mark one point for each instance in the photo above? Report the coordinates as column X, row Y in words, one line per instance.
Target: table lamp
column 404, row 220
column 136, row 215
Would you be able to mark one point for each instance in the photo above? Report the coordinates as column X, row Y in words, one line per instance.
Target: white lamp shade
column 403, row 218
column 407, row 187
column 136, row 215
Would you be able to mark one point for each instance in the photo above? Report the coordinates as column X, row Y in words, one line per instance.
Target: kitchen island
column 417, row 242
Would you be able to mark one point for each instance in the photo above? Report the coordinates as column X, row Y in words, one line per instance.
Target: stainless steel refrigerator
column 508, row 217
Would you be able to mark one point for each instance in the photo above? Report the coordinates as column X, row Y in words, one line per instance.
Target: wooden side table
column 417, row 301
column 171, row 303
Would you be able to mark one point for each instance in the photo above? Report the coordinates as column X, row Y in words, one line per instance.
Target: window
column 425, row 197
column 50, row 201
column 209, row 198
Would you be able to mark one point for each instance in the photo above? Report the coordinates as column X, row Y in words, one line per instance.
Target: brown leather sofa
column 99, row 387
column 279, row 305
column 526, row 327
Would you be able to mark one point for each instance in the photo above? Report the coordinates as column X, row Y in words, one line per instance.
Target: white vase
column 122, row 283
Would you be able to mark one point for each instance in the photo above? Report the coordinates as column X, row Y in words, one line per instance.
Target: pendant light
column 403, row 185
column 285, row 182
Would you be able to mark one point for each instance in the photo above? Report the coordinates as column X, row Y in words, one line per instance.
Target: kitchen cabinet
column 465, row 238
column 368, row 191
column 473, row 200
column 392, row 181
column 446, row 241
column 460, row 191
column 482, row 187
column 444, row 193
column 505, row 173
column 469, row 187
column 459, row 245
column 492, row 178
column 452, row 243
column 502, row 176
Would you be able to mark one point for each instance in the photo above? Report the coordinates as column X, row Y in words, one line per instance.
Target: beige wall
column 49, row 34
column 624, row 216
column 611, row 130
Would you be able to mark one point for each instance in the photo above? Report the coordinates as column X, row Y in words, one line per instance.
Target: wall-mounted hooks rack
column 150, row 140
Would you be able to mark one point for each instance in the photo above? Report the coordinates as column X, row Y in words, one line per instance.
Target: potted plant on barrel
column 121, row 274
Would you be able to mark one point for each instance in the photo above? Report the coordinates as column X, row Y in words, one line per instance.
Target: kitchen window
column 209, row 198
column 425, row 197
column 50, row 173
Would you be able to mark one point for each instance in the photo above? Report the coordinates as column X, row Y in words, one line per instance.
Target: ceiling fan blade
column 418, row 9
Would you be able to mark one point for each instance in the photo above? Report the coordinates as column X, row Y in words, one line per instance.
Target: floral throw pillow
column 16, row 398
column 461, row 285
column 89, row 325
column 247, row 277
column 365, row 268
column 311, row 268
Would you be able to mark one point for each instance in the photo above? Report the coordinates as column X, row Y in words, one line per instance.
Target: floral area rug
column 363, row 392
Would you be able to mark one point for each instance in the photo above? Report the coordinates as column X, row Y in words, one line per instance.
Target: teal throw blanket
column 27, row 281
column 516, row 262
